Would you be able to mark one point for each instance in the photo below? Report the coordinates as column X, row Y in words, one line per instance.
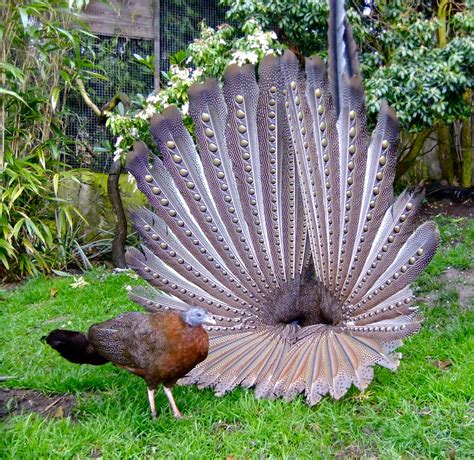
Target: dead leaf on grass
column 442, row 364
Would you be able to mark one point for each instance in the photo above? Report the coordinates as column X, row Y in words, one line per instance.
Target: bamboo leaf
column 56, row 184
column 13, row 94
column 54, row 97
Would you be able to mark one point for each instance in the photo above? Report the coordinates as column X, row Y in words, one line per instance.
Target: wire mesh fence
column 124, row 76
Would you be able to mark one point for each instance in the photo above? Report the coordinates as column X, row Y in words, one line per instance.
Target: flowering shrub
column 207, row 56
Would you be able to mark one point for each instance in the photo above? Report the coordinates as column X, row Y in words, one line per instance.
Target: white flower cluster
column 179, row 78
column 253, row 47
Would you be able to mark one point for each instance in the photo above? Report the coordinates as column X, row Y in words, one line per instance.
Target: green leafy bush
column 38, row 69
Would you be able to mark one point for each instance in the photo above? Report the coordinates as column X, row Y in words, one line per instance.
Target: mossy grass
column 421, row 411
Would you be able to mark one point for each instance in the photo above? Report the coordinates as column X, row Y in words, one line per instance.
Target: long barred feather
column 281, row 221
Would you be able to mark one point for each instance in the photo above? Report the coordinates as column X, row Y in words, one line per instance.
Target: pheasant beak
column 209, row 319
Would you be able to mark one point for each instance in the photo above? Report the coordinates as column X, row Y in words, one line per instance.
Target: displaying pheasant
column 282, row 223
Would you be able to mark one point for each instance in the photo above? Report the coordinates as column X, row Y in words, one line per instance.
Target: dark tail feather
column 74, row 347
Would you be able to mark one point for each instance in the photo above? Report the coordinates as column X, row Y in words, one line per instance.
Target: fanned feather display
column 281, row 221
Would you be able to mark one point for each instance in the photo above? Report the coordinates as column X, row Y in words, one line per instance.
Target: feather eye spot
column 322, row 126
column 352, row 149
column 318, row 92
column 350, row 165
column 240, row 114
column 272, row 114
column 390, row 239
column 273, row 89
column 146, row 270
column 384, row 248
column 248, row 168
column 246, row 156
column 212, row 147
column 272, row 138
column 197, row 197
column 372, row 204
column 297, row 100
column 385, row 144
column 320, row 109
column 216, row 162
column 224, row 187
column 220, row 175
column 239, row 98
column 148, row 178
column 382, row 160
column 190, row 185
column 205, row 117
column 420, row 251
column 156, row 190
column 172, row 213
column 403, row 218
column 188, row 233
column 147, row 228
column 272, row 150
column 412, row 260
column 242, row 129
column 352, row 132
column 350, row 181
column 379, row 175
column 293, row 85
column 404, row 268
column 244, row 143
column 227, row 199
column 155, row 237
column 376, row 190
column 251, row 191
column 177, row 158
column 171, row 145
column 352, row 114
column 396, row 229
column 272, row 102
column 324, row 142
column 272, row 127
column 409, row 206
column 202, row 208
column 164, row 202
column 326, row 157
column 163, row 246
column 183, row 172
column 209, row 132
column 369, row 216
column 231, row 210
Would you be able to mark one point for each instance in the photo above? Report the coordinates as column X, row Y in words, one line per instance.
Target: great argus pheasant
column 279, row 218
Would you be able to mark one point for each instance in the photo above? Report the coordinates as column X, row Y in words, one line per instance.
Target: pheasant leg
column 151, row 399
column 173, row 405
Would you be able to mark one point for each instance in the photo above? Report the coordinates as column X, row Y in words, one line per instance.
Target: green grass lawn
column 421, row 411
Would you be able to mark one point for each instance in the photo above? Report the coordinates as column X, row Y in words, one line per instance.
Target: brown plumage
column 160, row 347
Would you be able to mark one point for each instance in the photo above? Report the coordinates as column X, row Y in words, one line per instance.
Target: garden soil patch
column 463, row 282
column 16, row 402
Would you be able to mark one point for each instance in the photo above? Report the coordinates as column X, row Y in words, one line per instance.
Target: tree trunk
column 113, row 191
column 466, row 146
column 444, row 153
column 417, row 147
